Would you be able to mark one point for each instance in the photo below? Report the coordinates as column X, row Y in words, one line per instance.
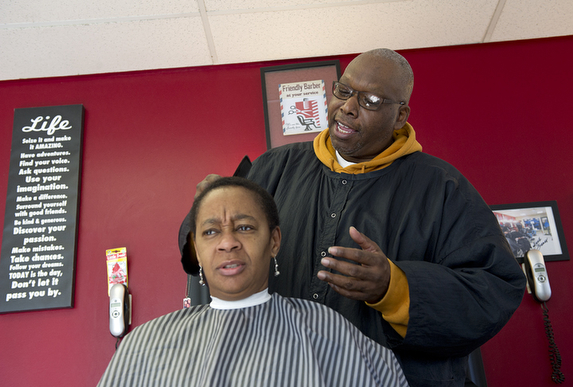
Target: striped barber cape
column 282, row 342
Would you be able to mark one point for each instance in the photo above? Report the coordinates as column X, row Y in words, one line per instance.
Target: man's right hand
column 205, row 183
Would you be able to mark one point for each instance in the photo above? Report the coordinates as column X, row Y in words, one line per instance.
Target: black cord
column 117, row 343
column 554, row 356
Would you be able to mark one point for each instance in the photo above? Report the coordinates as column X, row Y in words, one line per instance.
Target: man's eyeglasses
column 368, row 101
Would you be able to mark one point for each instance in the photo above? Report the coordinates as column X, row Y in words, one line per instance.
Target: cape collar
column 252, row 300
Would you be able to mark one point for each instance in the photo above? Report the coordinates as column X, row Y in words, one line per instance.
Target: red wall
column 498, row 112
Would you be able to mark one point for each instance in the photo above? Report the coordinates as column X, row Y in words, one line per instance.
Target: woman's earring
column 277, row 272
column 201, row 279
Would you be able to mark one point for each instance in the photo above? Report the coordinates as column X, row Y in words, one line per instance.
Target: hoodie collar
column 404, row 144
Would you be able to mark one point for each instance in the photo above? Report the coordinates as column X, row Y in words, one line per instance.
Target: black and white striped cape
column 283, row 342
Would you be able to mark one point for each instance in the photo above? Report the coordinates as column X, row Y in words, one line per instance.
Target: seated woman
column 246, row 337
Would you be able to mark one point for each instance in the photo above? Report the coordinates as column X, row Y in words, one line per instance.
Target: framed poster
column 535, row 225
column 295, row 100
column 37, row 261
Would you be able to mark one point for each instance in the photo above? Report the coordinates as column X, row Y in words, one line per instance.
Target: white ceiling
column 43, row 38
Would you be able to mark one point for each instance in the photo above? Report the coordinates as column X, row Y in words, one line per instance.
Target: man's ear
column 402, row 118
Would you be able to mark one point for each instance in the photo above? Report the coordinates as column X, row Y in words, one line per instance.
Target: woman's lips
column 231, row 268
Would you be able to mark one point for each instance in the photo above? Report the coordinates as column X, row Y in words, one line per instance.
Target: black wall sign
column 37, row 265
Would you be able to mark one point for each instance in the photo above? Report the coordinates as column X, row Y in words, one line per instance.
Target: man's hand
column 205, row 183
column 365, row 281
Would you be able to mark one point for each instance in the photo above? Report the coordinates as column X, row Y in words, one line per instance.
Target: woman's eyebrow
column 243, row 216
column 216, row 220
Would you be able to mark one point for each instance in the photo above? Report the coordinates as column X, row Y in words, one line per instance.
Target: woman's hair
column 261, row 196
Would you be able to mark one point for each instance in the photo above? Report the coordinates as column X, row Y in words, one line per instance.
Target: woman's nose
column 228, row 241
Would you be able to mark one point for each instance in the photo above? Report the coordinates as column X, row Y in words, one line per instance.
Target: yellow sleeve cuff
column 395, row 305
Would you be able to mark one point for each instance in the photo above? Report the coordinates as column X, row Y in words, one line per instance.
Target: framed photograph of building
column 534, row 225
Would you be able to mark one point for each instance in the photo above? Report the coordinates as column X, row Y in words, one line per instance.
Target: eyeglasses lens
column 366, row 100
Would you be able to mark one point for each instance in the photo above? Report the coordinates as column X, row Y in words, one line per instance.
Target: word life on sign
column 37, row 262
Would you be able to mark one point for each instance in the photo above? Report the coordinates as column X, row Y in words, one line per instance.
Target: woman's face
column 234, row 244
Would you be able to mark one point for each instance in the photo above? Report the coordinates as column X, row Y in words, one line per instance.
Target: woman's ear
column 275, row 241
column 194, row 247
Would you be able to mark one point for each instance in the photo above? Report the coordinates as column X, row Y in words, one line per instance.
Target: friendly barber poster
column 303, row 107
column 37, row 262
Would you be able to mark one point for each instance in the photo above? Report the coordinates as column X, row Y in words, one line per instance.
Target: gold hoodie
column 404, row 144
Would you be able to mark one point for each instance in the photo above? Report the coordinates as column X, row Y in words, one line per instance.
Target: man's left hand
column 365, row 281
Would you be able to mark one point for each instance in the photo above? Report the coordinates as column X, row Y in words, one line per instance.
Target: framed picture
column 533, row 226
column 295, row 100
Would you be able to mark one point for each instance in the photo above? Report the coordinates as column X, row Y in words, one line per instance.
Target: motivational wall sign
column 37, row 262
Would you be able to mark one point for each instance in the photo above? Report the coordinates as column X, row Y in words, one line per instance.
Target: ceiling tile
column 529, row 19
column 347, row 29
column 242, row 5
column 41, row 11
column 101, row 48
column 109, row 36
